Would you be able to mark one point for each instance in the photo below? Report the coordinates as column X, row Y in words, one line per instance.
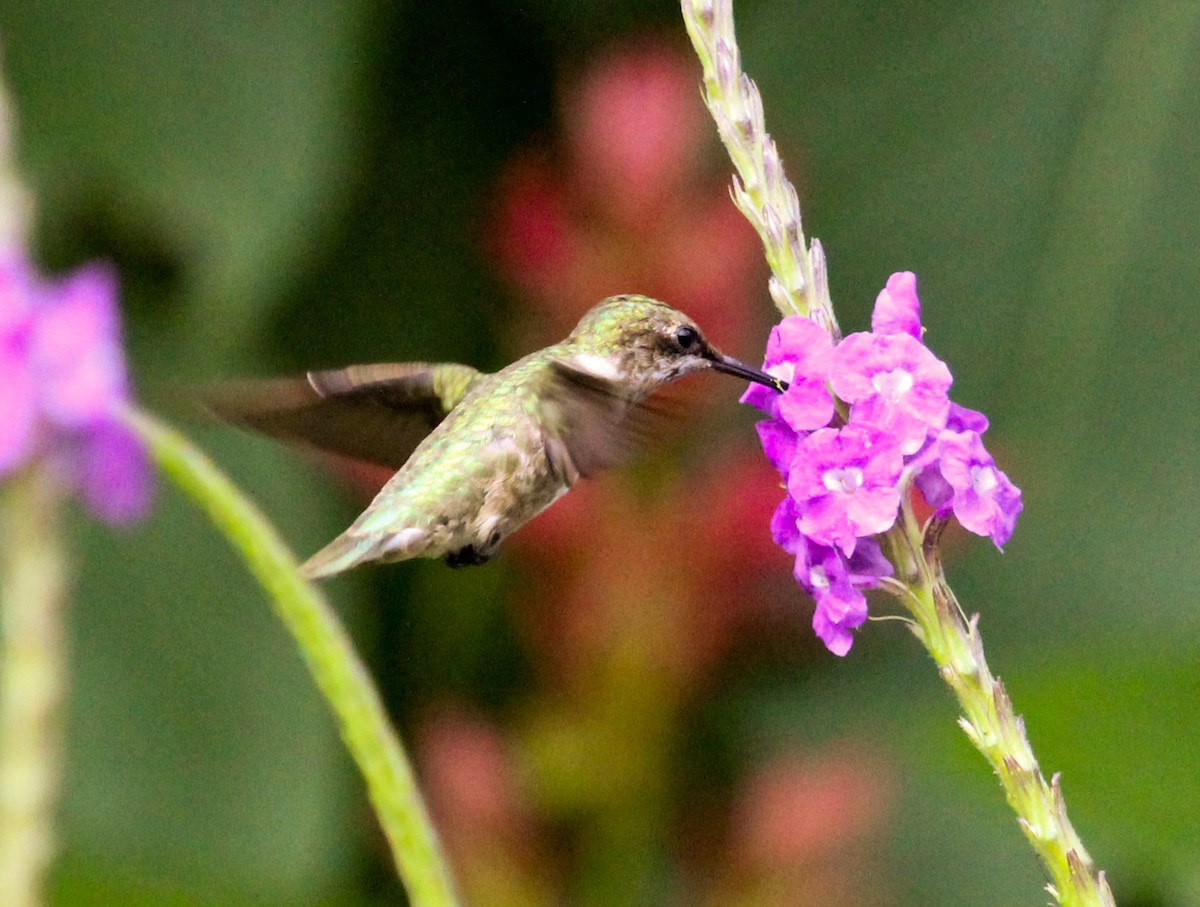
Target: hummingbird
column 479, row 455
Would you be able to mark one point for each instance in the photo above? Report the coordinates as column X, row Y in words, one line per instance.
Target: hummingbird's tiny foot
column 466, row 557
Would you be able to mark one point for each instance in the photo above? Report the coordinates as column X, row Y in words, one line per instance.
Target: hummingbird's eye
column 686, row 336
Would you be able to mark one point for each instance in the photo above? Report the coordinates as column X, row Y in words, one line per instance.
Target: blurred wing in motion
column 589, row 425
column 377, row 413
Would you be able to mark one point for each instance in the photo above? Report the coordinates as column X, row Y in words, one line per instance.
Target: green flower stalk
column 15, row 201
column 989, row 720
column 33, row 581
column 329, row 654
column 761, row 191
column 863, row 423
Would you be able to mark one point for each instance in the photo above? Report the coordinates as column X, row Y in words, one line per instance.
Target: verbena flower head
column 63, row 374
column 860, row 425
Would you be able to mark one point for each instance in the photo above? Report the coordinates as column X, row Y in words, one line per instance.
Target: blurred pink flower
column 469, row 779
column 62, row 370
column 686, row 606
column 897, row 307
column 805, row 807
column 634, row 129
column 465, row 772
column 806, row 829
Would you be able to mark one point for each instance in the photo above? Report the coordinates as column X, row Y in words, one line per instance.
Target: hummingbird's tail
column 341, row 554
column 353, row 548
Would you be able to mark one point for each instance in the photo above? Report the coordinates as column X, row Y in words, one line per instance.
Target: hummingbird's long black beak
column 731, row 366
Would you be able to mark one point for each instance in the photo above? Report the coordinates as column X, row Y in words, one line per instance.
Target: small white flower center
column 817, row 578
column 783, row 370
column 892, row 385
column 845, row 479
column 983, row 479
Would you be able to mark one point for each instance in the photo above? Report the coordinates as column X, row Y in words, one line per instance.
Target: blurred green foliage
column 297, row 185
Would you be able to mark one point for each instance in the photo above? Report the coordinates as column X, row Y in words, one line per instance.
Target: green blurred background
column 301, row 185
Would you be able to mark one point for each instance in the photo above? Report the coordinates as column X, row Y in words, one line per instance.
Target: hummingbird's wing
column 589, row 424
column 378, row 413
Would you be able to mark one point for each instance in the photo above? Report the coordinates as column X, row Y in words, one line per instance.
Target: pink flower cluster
column 845, row 474
column 62, row 372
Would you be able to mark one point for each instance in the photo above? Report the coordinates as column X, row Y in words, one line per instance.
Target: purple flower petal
column 784, row 528
column 933, row 486
column 18, row 412
column 962, row 419
column 762, row 398
column 836, row 633
column 864, row 568
column 799, row 340
column 897, row 308
column 840, row 605
column 114, row 475
column 867, row 565
column 824, row 519
column 778, row 443
column 835, row 582
column 806, row 404
column 984, row 501
column 76, row 349
column 925, row 463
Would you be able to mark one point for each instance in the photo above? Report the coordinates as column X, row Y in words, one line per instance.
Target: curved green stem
column 330, row 655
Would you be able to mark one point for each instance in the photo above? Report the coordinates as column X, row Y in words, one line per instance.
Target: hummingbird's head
column 643, row 344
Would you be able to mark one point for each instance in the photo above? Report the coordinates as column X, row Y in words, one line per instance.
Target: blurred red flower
column 626, row 203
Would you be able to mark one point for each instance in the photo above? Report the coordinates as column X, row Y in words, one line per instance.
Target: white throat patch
column 600, row 366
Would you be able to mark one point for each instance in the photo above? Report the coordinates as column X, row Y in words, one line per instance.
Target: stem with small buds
column 998, row 732
column 989, row 719
column 760, row 189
